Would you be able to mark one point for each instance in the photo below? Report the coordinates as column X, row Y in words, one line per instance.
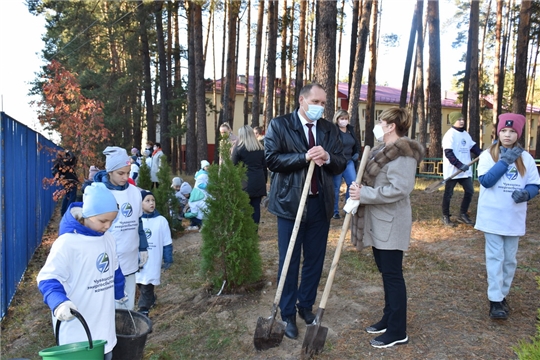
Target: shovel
column 269, row 332
column 437, row 184
column 315, row 333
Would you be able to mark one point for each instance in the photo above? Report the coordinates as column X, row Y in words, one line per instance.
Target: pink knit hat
column 514, row 121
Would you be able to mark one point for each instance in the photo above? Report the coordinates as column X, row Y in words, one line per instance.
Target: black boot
column 291, row 331
column 306, row 314
column 496, row 311
column 447, row 222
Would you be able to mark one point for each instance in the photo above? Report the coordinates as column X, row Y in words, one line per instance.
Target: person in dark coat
column 249, row 151
column 64, row 169
column 291, row 143
column 351, row 151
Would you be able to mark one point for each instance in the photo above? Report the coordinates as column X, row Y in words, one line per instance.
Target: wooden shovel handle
column 344, row 228
column 437, row 184
column 294, row 234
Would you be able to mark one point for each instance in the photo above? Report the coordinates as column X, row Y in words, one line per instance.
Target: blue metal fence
column 26, row 207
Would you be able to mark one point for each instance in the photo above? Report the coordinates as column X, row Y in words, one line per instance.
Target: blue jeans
column 501, row 264
column 349, row 175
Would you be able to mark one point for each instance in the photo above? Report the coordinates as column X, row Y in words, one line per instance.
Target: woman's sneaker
column 382, row 341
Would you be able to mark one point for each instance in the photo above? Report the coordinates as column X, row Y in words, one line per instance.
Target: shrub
column 230, row 247
column 530, row 350
column 166, row 200
column 143, row 180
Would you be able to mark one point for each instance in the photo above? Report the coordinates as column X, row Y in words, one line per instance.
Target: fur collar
column 384, row 153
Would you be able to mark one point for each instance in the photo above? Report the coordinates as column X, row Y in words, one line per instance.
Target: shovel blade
column 268, row 333
column 314, row 340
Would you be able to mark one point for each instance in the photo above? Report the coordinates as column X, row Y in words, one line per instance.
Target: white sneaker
column 194, row 227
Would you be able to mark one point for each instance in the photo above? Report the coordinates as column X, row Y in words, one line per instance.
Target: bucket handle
column 84, row 324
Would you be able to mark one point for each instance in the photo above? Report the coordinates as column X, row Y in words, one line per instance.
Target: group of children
column 111, row 243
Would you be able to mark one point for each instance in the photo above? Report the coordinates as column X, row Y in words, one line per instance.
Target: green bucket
column 83, row 350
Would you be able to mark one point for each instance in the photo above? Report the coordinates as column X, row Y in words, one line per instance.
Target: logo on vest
column 127, row 209
column 512, row 173
column 148, row 233
column 102, row 262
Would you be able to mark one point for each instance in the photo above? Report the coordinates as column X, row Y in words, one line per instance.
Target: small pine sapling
column 230, row 248
column 143, row 180
column 166, row 200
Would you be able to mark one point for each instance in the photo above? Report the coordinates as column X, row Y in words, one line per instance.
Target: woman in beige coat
column 384, row 220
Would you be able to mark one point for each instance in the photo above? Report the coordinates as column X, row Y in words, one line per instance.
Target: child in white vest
column 82, row 270
column 131, row 244
column 158, row 235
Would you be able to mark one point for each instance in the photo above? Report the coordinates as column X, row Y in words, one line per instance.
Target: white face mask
column 343, row 123
column 314, row 112
column 378, row 132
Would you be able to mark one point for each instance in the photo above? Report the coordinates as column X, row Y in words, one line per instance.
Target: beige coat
column 384, row 219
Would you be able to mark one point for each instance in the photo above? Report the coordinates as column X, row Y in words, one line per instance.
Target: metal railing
column 27, row 207
column 432, row 168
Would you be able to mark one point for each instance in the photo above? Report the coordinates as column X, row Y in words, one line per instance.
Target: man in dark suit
column 291, row 142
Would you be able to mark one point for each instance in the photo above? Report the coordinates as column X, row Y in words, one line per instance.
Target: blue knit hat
column 145, row 193
column 97, row 199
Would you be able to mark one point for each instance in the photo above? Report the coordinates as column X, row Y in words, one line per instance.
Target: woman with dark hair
column 249, row 151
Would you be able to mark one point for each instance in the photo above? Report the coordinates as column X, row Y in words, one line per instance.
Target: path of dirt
column 447, row 306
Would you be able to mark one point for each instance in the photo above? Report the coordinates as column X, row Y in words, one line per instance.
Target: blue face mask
column 314, row 112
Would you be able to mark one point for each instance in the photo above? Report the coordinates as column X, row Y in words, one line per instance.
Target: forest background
column 139, row 78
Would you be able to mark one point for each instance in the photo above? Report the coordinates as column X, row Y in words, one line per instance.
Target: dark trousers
column 467, row 185
column 311, row 241
column 390, row 265
column 71, row 196
column 147, row 297
column 255, row 203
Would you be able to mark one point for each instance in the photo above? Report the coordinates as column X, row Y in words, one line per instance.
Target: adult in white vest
column 458, row 145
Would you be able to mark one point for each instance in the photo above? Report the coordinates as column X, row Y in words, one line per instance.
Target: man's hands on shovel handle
column 318, row 155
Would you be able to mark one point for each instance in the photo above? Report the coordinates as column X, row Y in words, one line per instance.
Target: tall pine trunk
column 434, row 84
column 163, row 89
column 202, row 143
column 271, row 70
column 301, row 55
column 325, row 53
column 372, row 86
column 255, row 104
column 142, row 14
column 519, row 100
column 354, row 97
column 191, row 132
column 474, row 92
column 283, row 91
column 408, row 60
column 355, row 18
column 248, row 53
column 419, row 99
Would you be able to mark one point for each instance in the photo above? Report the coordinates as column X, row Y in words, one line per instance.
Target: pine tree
column 164, row 194
column 143, row 180
column 230, row 248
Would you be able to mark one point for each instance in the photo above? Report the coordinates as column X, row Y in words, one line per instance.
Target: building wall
column 486, row 131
